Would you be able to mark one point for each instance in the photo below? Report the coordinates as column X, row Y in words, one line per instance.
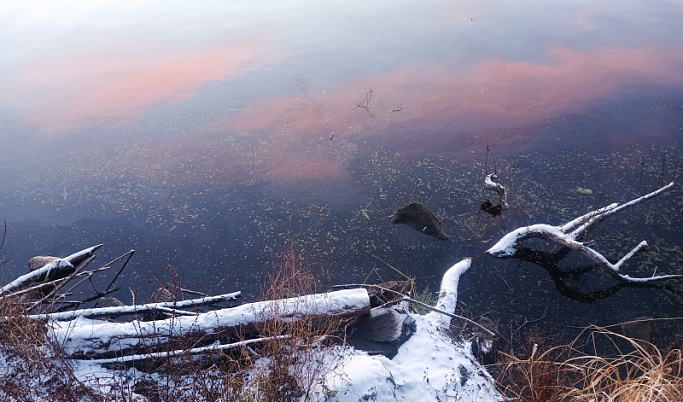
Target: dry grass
column 636, row 371
column 285, row 369
column 295, row 364
column 29, row 360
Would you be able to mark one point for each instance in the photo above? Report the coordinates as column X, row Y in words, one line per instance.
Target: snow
column 56, row 264
column 429, row 366
column 448, row 293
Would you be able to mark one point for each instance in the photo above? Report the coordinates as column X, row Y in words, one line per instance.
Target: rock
column 109, row 302
column 419, row 218
column 642, row 328
column 162, row 295
column 484, row 346
column 40, row 261
column 382, row 331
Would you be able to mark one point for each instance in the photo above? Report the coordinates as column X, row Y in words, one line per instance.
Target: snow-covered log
column 448, row 293
column 569, row 235
column 63, row 264
column 84, row 338
column 430, row 366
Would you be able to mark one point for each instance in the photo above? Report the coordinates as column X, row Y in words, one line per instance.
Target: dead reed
column 635, row 371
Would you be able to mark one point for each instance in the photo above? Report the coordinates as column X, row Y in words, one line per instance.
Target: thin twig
column 4, row 234
column 425, row 305
column 130, row 255
column 173, row 353
column 389, row 265
column 534, row 320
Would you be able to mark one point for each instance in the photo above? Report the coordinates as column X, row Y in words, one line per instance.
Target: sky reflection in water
column 134, row 115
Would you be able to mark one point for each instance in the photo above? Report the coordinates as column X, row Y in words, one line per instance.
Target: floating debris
column 583, row 190
column 420, row 218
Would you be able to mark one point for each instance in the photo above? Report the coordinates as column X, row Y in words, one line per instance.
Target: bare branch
column 173, row 353
column 566, row 236
column 113, row 312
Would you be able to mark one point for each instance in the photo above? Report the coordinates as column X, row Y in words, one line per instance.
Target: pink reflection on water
column 501, row 93
column 115, row 89
column 428, row 103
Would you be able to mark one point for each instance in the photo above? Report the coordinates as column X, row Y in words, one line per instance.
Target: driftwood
column 570, row 234
column 91, row 333
column 431, row 365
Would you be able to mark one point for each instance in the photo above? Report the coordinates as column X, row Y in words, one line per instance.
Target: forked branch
column 569, row 234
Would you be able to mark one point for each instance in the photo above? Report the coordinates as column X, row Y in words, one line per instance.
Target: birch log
column 83, row 338
column 113, row 312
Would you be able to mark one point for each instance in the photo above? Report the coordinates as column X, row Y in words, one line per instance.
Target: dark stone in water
column 484, row 346
column 419, row 218
column 382, row 331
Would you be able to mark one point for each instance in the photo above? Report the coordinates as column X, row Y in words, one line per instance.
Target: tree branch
column 566, row 236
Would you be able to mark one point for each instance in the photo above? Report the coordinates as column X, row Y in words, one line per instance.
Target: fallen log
column 448, row 294
column 88, row 339
column 569, row 235
column 64, row 266
column 214, row 347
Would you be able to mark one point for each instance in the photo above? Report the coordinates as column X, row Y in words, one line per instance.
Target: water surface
column 217, row 136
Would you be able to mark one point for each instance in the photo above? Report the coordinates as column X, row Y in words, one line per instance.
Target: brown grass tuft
column 636, row 371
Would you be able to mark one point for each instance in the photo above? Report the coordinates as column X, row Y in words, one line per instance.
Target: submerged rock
column 419, row 218
column 110, row 302
column 382, row 331
column 163, row 295
column 40, row 261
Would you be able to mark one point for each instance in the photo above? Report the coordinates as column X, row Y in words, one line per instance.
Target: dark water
column 218, row 137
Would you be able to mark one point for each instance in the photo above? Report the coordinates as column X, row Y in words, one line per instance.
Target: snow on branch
column 61, row 264
column 491, row 183
column 24, row 280
column 214, row 347
column 113, row 312
column 569, row 234
column 448, row 294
